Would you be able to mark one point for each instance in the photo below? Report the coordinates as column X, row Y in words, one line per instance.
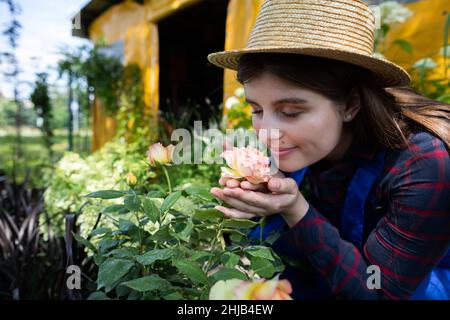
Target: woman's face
column 307, row 121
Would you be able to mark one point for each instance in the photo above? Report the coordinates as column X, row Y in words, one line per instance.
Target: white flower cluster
column 393, row 12
column 425, row 63
column 235, row 100
column 75, row 176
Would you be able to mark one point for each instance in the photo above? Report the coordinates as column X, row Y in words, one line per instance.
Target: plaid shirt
column 410, row 232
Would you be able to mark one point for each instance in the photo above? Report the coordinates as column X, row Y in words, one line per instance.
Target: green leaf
column 106, row 194
column 262, row 267
column 113, row 208
column 147, row 283
column 235, row 237
column 186, row 232
column 207, row 234
column 110, row 271
column 123, row 253
column 107, row 243
column 126, row 226
column 405, row 45
column 239, row 223
column 192, row 270
column 230, row 259
column 199, row 192
column 201, row 256
column 97, row 295
column 98, row 231
column 133, row 203
column 228, row 273
column 208, row 214
column 155, row 194
column 260, row 251
column 84, row 242
column 123, row 210
column 162, row 235
column 170, row 200
column 173, row 296
column 150, row 257
column 151, row 210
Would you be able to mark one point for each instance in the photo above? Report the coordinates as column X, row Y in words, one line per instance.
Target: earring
column 348, row 117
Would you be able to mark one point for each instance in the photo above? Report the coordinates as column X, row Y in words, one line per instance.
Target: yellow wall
column 136, row 25
column 127, row 22
column 240, row 20
column 159, row 9
column 425, row 31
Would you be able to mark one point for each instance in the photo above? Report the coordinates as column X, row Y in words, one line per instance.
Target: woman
column 374, row 152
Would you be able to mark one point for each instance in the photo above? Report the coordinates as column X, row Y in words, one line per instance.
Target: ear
column 353, row 104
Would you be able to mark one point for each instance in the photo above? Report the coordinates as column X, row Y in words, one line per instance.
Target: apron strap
column 352, row 215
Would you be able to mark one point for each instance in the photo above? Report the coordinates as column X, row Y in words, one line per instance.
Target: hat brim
column 388, row 73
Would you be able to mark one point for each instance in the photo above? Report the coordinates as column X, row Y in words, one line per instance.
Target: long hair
column 387, row 116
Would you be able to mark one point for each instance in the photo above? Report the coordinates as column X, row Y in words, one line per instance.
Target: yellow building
column 170, row 40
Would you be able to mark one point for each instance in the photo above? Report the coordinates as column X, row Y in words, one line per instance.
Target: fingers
column 229, row 182
column 229, row 196
column 247, row 185
column 235, row 213
column 257, row 202
column 283, row 185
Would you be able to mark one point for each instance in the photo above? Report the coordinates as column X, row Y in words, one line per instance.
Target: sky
column 46, row 27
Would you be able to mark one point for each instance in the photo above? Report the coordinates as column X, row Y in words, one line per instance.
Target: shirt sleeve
column 407, row 243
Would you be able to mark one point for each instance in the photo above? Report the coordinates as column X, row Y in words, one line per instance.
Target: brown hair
column 387, row 115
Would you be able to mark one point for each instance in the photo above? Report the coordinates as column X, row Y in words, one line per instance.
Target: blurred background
column 87, row 86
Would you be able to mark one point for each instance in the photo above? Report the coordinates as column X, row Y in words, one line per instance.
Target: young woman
column 374, row 153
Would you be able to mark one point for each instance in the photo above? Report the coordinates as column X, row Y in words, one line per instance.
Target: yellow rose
column 131, row 179
column 158, row 154
column 261, row 289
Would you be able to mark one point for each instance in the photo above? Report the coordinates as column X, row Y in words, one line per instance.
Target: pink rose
column 248, row 163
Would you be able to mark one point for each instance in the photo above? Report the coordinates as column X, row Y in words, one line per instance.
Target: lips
column 283, row 152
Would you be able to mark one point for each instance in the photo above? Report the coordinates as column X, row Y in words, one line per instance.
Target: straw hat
column 334, row 29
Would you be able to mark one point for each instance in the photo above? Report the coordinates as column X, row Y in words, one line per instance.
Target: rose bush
column 171, row 244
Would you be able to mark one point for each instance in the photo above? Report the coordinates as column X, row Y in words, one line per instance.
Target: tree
column 12, row 34
column 43, row 107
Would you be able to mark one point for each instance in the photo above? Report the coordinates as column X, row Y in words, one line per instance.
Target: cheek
column 323, row 133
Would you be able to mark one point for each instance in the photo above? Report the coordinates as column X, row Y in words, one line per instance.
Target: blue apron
column 309, row 284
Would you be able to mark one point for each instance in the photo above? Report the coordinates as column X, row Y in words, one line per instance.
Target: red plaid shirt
column 411, row 233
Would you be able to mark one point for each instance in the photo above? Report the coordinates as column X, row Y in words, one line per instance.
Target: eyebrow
column 281, row 101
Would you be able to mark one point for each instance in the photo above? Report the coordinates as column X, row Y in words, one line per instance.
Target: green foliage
column 173, row 247
column 239, row 111
column 104, row 74
column 43, row 107
column 75, row 176
column 8, row 111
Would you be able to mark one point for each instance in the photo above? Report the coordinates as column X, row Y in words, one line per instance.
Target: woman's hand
column 278, row 195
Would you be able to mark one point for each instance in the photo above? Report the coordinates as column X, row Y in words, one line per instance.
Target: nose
column 269, row 133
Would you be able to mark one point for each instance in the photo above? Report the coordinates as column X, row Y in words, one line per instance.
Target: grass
column 35, row 156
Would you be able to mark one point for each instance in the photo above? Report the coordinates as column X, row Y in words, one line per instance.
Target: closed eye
column 291, row 115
